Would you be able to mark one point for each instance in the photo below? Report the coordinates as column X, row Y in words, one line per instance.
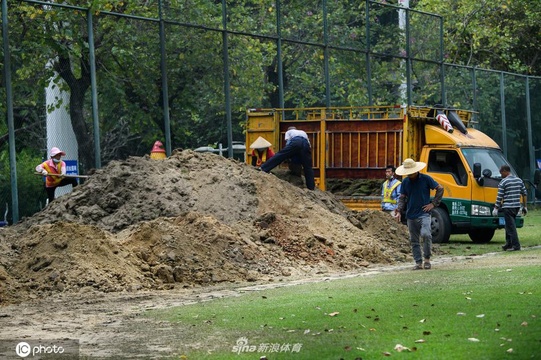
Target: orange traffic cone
column 158, row 152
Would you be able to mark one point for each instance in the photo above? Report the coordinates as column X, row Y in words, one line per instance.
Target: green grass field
column 487, row 307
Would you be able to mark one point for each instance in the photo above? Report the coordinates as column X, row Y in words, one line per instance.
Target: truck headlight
column 480, row 210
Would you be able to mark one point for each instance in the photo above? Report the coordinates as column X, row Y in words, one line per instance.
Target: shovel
column 66, row 176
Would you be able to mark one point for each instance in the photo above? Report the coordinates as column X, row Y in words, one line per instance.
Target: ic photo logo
column 23, row 349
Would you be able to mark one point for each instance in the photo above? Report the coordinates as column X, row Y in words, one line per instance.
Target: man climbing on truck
column 415, row 196
column 298, row 146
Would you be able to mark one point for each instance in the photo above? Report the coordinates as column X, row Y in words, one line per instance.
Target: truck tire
column 481, row 236
column 440, row 225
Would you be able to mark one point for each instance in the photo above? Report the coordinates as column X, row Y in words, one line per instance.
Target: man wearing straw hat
column 415, row 196
column 54, row 169
column 261, row 151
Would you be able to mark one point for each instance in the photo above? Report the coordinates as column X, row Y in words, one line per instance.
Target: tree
column 496, row 34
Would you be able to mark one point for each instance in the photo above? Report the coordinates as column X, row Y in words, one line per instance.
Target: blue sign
column 538, row 163
column 72, row 168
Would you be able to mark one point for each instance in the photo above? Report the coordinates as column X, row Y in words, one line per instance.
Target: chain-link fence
column 106, row 83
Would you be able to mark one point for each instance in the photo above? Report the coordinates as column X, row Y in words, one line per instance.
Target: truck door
column 447, row 168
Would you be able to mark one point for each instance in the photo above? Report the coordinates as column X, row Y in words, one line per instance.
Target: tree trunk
column 78, row 88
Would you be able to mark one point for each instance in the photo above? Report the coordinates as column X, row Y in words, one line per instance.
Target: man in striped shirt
column 508, row 200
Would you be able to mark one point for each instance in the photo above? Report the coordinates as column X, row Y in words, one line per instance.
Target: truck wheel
column 440, row 225
column 481, row 236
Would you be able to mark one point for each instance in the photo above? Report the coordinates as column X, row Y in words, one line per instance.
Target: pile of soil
column 193, row 219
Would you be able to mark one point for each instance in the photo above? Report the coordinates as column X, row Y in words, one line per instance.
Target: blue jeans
column 419, row 229
column 298, row 148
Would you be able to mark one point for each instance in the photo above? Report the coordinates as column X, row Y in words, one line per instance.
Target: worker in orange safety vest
column 53, row 170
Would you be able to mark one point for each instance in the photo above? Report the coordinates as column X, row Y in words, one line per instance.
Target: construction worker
column 54, row 171
column 415, row 198
column 261, row 151
column 508, row 201
column 390, row 190
column 297, row 147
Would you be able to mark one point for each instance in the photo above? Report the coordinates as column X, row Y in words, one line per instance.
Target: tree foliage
column 495, row 34
column 50, row 42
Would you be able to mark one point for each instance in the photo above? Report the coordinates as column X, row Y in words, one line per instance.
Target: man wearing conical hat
column 415, row 197
column 54, row 170
column 261, row 151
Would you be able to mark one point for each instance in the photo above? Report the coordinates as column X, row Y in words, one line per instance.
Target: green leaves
column 495, row 35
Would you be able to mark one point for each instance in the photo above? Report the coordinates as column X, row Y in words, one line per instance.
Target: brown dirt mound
column 190, row 220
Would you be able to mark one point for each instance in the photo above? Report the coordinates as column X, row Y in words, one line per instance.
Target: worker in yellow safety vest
column 390, row 190
column 54, row 171
column 261, row 151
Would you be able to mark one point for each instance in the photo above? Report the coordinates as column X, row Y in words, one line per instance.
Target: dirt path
column 111, row 325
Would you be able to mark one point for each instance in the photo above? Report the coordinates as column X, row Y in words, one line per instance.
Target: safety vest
column 388, row 192
column 52, row 168
column 261, row 157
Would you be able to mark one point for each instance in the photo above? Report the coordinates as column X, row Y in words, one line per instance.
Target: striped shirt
column 509, row 191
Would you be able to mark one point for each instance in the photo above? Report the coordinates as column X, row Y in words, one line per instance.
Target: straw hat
column 260, row 143
column 55, row 151
column 409, row 167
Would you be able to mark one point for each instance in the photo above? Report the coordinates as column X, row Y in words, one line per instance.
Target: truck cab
column 359, row 142
column 467, row 166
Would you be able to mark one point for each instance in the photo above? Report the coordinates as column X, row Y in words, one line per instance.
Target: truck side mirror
column 477, row 170
column 477, row 173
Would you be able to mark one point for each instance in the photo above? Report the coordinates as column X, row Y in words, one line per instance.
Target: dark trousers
column 511, row 236
column 65, row 181
column 299, row 148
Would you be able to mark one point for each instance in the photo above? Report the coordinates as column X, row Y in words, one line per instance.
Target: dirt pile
column 189, row 220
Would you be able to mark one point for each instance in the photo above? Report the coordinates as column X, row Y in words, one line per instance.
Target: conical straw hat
column 260, row 143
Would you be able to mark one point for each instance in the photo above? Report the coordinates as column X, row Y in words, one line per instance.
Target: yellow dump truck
column 359, row 142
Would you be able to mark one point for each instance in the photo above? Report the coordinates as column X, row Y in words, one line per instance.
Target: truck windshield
column 491, row 159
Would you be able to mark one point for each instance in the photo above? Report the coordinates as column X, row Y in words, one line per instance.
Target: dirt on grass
column 191, row 222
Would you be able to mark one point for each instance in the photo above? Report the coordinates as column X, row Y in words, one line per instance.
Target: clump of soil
column 193, row 219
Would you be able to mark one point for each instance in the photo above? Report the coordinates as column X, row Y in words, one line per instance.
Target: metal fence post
column 531, row 152
column 226, row 80
column 280, row 69
column 11, row 127
column 95, row 115
column 502, row 105
column 165, row 90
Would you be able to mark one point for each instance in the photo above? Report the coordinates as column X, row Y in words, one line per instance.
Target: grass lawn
column 486, row 308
